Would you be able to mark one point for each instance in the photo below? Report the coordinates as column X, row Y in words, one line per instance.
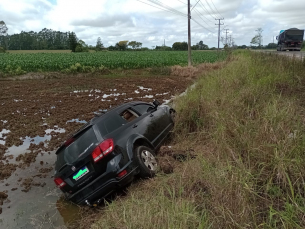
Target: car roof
column 103, row 116
column 115, row 110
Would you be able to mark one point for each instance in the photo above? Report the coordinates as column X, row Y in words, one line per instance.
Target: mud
column 38, row 115
column 169, row 156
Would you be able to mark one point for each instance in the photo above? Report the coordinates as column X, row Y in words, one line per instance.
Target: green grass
column 246, row 124
column 21, row 63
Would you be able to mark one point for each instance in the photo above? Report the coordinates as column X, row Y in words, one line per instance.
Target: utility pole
column 226, row 35
column 219, row 24
column 189, row 32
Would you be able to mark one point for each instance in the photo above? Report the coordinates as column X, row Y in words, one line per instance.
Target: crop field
column 21, row 63
column 37, row 51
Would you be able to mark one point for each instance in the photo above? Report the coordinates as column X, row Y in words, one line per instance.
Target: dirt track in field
column 36, row 116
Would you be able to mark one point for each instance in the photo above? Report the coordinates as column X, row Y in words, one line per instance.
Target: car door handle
column 134, row 126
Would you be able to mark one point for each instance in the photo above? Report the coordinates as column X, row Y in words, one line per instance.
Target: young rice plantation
column 21, row 63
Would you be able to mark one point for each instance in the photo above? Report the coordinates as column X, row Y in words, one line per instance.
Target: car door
column 153, row 123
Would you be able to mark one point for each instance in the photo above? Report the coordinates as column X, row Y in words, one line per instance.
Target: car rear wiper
column 62, row 167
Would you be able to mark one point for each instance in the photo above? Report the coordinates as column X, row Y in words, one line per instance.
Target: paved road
column 296, row 54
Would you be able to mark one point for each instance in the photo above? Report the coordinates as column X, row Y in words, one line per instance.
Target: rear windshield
column 81, row 145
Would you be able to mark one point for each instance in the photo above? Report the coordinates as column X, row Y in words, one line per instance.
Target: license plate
column 82, row 172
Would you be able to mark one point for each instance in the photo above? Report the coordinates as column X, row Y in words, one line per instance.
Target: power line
column 195, row 5
column 182, row 2
column 180, row 14
column 205, row 9
column 201, row 25
column 203, row 20
column 216, row 9
column 203, row 16
column 213, row 12
column 159, row 3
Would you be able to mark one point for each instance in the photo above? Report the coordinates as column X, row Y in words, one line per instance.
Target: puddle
column 2, row 138
column 144, row 88
column 148, row 96
column 17, row 150
column 100, row 111
column 82, row 91
column 114, row 94
column 36, row 208
column 163, row 93
column 57, row 130
column 77, row 120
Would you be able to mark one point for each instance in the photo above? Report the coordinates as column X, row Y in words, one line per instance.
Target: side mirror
column 156, row 103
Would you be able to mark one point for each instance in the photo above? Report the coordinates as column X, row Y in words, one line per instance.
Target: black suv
column 108, row 151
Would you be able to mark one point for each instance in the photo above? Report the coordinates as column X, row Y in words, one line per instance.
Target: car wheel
column 146, row 160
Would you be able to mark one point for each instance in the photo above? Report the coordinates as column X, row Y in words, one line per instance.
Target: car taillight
column 59, row 182
column 102, row 150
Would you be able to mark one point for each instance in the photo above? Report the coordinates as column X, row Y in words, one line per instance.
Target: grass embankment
column 246, row 124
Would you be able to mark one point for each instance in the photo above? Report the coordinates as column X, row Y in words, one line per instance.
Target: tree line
column 48, row 39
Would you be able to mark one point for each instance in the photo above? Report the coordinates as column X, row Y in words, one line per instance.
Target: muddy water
column 36, row 117
column 38, row 207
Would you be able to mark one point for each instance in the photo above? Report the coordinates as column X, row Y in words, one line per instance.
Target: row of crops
column 34, row 62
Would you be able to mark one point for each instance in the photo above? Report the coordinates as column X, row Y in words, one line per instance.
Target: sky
column 151, row 24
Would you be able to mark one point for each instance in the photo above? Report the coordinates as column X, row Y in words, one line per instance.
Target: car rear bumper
column 102, row 186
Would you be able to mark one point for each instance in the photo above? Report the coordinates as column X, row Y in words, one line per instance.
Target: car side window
column 143, row 108
column 110, row 124
column 128, row 115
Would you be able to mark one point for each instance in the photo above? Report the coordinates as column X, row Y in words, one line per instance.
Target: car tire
column 146, row 161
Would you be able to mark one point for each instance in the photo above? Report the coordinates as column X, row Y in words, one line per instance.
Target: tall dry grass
column 251, row 116
column 245, row 122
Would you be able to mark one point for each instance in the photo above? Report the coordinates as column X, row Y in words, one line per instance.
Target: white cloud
column 115, row 20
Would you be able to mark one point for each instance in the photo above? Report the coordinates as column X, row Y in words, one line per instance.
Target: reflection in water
column 2, row 138
column 69, row 212
column 77, row 120
column 17, row 150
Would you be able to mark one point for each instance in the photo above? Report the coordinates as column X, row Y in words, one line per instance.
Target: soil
column 38, row 115
column 169, row 156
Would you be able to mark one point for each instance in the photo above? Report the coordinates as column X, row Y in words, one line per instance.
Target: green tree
column 138, row 45
column 72, row 41
column 121, row 45
column 81, row 46
column 112, row 48
column 3, row 35
column 132, row 44
column 182, row 46
column 3, row 28
column 99, row 45
column 271, row 46
column 257, row 39
column 135, row 44
column 202, row 46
